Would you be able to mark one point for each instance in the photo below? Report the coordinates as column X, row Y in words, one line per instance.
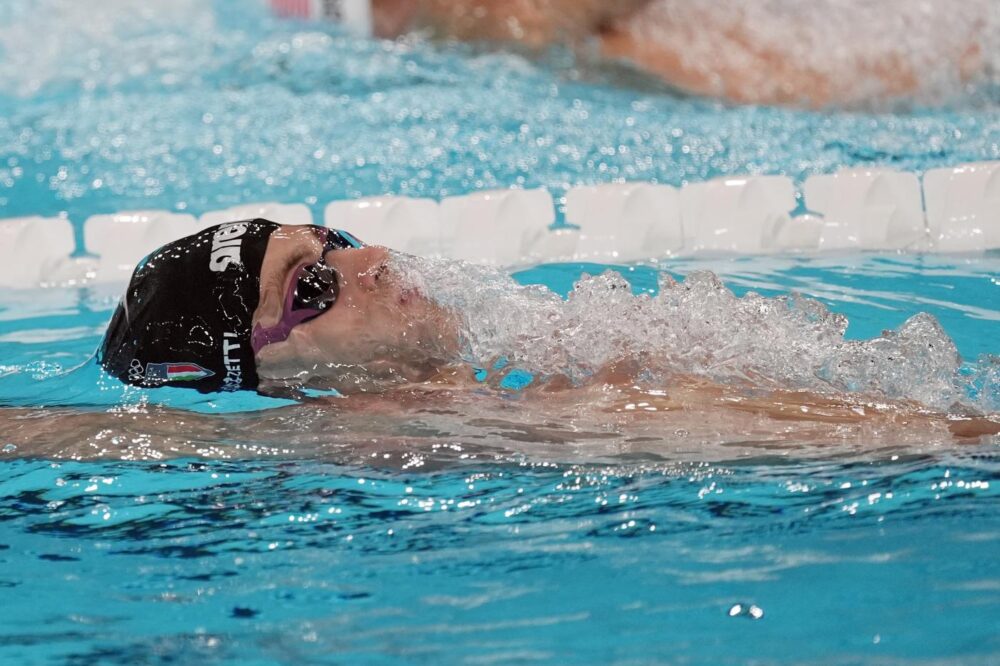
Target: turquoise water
column 469, row 543
column 304, row 562
column 439, row 547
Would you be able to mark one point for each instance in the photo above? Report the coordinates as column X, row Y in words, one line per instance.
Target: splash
column 195, row 106
column 697, row 327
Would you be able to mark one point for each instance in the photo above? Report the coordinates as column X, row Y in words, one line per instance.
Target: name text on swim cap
column 234, row 372
column 226, row 246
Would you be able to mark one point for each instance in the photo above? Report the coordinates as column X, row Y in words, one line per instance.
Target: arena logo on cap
column 176, row 372
column 226, row 246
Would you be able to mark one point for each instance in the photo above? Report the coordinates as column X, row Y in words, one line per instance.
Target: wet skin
column 686, row 420
column 379, row 329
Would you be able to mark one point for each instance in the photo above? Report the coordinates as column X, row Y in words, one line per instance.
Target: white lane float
column 35, row 251
column 800, row 233
column 556, row 246
column 963, row 207
column 295, row 213
column 625, row 221
column 501, row 227
column 120, row 240
column 744, row 215
column 402, row 223
column 868, row 209
column 860, row 209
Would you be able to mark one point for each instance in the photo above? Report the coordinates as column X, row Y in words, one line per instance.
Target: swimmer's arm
column 707, row 50
column 618, row 384
column 784, row 405
column 533, row 23
column 142, row 433
column 154, row 432
column 62, row 432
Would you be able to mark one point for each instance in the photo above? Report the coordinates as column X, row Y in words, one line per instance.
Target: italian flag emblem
column 176, row 372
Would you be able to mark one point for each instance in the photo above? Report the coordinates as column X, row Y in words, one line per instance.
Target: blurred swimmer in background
column 822, row 53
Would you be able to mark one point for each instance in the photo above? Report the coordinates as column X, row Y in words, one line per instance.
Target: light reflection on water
column 285, row 562
column 493, row 536
column 477, row 537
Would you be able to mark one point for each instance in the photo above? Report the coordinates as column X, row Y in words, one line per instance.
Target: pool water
column 305, row 562
column 283, row 536
column 464, row 541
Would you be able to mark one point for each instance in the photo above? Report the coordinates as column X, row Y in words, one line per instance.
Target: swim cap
column 186, row 316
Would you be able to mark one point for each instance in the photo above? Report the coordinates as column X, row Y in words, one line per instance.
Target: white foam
column 403, row 223
column 963, row 207
column 736, row 214
column 122, row 239
column 295, row 213
column 499, row 226
column 870, row 209
column 696, row 327
column 625, row 221
column 32, row 249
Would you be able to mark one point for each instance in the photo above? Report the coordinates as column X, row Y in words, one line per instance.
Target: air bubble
column 695, row 327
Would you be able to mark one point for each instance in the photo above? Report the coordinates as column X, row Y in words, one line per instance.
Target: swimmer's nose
column 371, row 278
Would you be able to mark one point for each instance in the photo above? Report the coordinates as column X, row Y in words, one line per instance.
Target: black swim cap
column 186, row 316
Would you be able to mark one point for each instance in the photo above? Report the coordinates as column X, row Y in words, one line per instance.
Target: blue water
column 465, row 557
column 305, row 562
column 312, row 556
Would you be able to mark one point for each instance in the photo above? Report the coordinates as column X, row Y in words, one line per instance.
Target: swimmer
column 254, row 305
column 838, row 53
column 280, row 310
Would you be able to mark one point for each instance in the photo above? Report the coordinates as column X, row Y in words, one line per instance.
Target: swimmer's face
column 378, row 329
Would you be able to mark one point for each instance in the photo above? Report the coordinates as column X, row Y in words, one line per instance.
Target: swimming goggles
column 313, row 290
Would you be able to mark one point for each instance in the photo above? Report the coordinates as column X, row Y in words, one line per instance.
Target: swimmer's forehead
column 295, row 242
